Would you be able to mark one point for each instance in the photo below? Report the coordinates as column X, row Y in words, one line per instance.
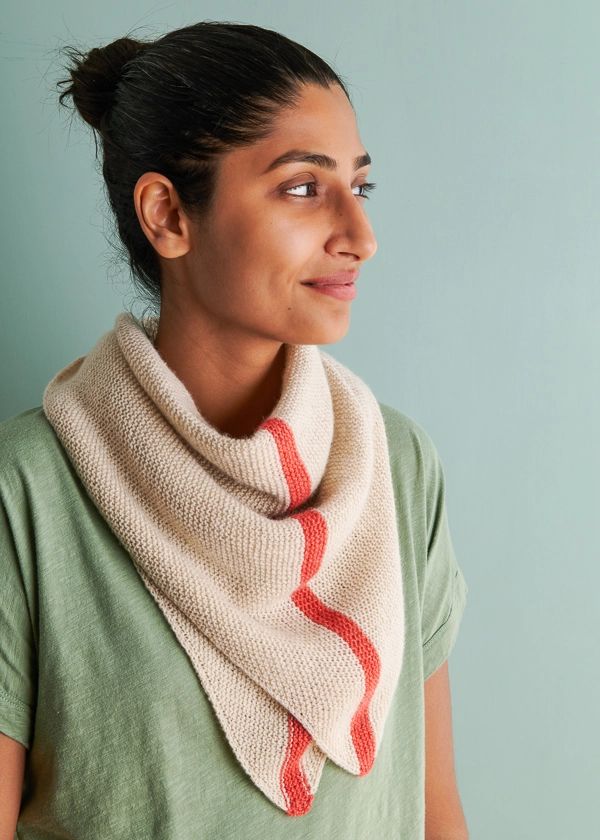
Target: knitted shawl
column 274, row 558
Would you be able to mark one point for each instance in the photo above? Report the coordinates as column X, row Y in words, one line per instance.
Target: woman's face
column 271, row 227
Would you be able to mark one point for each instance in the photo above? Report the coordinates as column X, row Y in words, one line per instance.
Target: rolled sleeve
column 445, row 589
column 17, row 646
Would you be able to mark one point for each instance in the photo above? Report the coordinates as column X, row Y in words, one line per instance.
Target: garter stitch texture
column 274, row 558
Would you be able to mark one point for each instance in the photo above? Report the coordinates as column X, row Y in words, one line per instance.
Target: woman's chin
column 326, row 333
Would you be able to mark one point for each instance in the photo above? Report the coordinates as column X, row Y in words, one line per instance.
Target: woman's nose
column 352, row 230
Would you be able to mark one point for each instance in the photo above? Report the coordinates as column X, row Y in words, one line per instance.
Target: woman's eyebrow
column 301, row 156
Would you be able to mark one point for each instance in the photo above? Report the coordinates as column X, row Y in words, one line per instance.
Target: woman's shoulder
column 408, row 441
column 28, row 443
column 22, row 432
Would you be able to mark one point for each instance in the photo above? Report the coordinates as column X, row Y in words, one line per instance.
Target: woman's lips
column 341, row 291
column 339, row 285
column 336, row 279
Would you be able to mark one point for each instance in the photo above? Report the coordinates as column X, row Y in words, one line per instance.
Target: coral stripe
column 296, row 475
column 315, row 539
column 293, row 781
column 314, row 527
column 361, row 730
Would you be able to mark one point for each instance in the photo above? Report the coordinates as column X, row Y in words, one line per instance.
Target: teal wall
column 479, row 316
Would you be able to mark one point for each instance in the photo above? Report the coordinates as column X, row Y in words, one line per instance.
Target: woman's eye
column 301, row 187
column 367, row 187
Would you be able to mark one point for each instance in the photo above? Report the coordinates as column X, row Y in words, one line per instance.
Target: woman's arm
column 12, row 770
column 444, row 818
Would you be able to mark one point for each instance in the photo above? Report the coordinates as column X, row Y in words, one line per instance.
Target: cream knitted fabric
column 274, row 558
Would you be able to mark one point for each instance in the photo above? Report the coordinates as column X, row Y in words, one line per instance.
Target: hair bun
column 95, row 75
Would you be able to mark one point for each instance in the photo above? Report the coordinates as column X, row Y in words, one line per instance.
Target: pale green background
column 478, row 317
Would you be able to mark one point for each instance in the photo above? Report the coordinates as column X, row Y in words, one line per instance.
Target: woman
column 231, row 589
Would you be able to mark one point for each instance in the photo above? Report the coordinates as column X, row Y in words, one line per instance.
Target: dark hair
column 173, row 105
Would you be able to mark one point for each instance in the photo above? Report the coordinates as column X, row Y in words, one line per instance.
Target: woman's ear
column 160, row 215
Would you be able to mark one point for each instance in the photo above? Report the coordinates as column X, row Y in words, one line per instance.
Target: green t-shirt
column 122, row 741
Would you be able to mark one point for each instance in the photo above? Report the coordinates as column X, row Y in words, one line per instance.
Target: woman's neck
column 235, row 382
